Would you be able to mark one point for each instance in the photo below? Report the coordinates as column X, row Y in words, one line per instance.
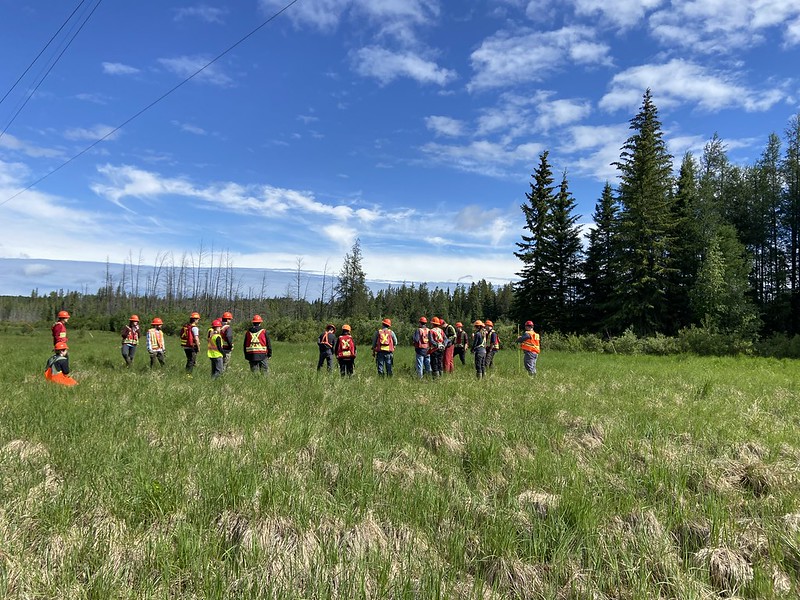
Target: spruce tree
column 790, row 167
column 353, row 296
column 645, row 225
column 599, row 274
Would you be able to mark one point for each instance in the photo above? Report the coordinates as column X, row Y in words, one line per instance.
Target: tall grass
column 604, row 477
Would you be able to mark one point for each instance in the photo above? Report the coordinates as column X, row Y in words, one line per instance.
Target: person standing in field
column 257, row 347
column 529, row 344
column 215, row 348
column 130, row 340
column 60, row 328
column 421, row 341
column 57, row 369
column 227, row 338
column 461, row 343
column 346, row 352
column 479, row 349
column 190, row 341
column 492, row 343
column 326, row 341
column 436, row 343
column 155, row 343
column 383, row 344
column 449, row 349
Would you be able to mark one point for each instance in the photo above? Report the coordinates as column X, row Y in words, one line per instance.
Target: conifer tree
column 351, row 291
column 790, row 167
column 599, row 271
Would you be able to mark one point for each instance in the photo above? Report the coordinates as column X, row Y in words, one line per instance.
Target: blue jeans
column 423, row 362
column 384, row 361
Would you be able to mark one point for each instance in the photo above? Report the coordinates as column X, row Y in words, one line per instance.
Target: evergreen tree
column 645, row 225
column 598, row 269
column 353, row 296
column 531, row 292
column 561, row 252
column 791, row 219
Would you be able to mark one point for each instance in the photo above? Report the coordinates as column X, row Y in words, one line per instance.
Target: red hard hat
column 257, row 319
column 459, row 324
column 528, row 323
column 478, row 323
column 61, row 346
column 489, row 323
column 435, row 321
column 387, row 322
column 194, row 315
column 63, row 314
column 423, row 320
column 227, row 315
column 157, row 321
column 216, row 323
column 134, row 318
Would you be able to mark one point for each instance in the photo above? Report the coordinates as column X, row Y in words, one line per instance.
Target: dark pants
column 226, row 357
column 530, row 362
column 460, row 352
column 437, row 363
column 346, row 366
column 191, row 359
column 384, row 360
column 128, row 351
column 480, row 366
column 489, row 358
column 216, row 367
column 259, row 365
column 157, row 356
column 325, row 356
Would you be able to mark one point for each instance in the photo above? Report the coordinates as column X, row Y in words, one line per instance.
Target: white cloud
column 184, row 66
column 119, row 69
column 597, row 147
column 15, row 144
column 190, row 128
column 445, row 126
column 557, row 113
column 482, row 156
column 623, row 13
column 93, row 98
column 209, row 14
column 386, row 66
column 91, row 134
column 678, row 81
column 506, row 59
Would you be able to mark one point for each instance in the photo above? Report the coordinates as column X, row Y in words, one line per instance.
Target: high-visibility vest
column 54, row 373
column 423, row 334
column 225, row 343
column 345, row 347
column 155, row 339
column 493, row 340
column 59, row 332
column 324, row 341
column 481, row 343
column 255, row 343
column 213, row 351
column 187, row 336
column 131, row 336
column 531, row 344
column 385, row 340
column 462, row 339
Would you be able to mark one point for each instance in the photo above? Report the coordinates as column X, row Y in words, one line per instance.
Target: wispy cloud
column 445, row 126
column 622, row 13
column 184, row 66
column 14, row 144
column 209, row 14
column 91, row 133
column 560, row 112
column 93, row 98
column 112, row 68
column 484, row 157
column 386, row 66
column 190, row 128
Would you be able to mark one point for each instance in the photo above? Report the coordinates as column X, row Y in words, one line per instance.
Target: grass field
column 604, row 477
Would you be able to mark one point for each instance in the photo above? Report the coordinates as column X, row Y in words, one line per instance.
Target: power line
column 55, row 62
column 50, row 41
column 152, row 104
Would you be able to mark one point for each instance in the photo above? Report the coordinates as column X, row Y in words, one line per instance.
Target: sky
column 412, row 125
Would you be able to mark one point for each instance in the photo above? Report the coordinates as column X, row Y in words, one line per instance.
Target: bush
column 779, row 345
column 707, row 342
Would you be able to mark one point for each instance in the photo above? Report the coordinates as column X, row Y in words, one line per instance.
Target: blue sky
column 412, row 124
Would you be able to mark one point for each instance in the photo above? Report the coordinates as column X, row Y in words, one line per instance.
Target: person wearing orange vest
column 461, row 343
column 449, row 349
column 346, row 352
column 130, row 340
column 60, row 328
column 421, row 341
column 227, row 338
column 529, row 344
column 215, row 348
column 57, row 369
column 436, row 344
column 326, row 341
column 479, row 349
column 383, row 344
column 492, row 343
column 190, row 341
column 155, row 343
column 257, row 347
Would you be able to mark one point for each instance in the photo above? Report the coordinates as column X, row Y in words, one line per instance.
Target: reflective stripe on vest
column 213, row 351
column 187, row 336
column 222, row 332
column 344, row 347
column 422, row 336
column 132, row 337
column 155, row 339
column 255, row 345
column 532, row 343
column 385, row 340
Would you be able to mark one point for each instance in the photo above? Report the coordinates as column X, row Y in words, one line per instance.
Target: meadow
column 606, row 476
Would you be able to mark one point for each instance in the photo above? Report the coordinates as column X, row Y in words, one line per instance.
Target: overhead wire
column 152, row 104
column 50, row 41
column 50, row 68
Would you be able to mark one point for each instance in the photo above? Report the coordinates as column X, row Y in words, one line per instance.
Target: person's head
column 528, row 325
column 478, row 324
column 63, row 316
column 61, row 348
column 227, row 317
column 459, row 325
column 257, row 320
column 134, row 320
column 488, row 324
column 157, row 323
column 346, row 329
column 435, row 321
column 330, row 327
column 423, row 321
column 194, row 317
column 216, row 324
column 386, row 322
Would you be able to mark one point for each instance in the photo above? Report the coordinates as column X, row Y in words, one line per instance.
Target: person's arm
column 268, row 344
column 64, row 364
column 229, row 336
column 196, row 335
column 150, row 348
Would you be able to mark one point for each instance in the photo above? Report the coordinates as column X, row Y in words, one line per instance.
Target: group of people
column 435, row 347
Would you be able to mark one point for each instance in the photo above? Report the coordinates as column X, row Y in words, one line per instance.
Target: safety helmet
column 134, row 318
column 528, row 323
column 61, row 346
column 330, row 326
column 488, row 323
column 157, row 321
column 435, row 321
column 257, row 319
column 478, row 323
column 387, row 322
column 423, row 320
column 194, row 315
column 345, row 327
column 216, row 323
column 459, row 324
column 62, row 314
column 226, row 315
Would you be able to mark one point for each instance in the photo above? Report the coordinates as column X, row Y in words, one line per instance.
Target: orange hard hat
column 63, row 314
column 216, row 323
column 226, row 315
column 423, row 320
column 459, row 324
column 528, row 323
column 478, row 323
column 157, row 321
column 194, row 315
column 489, row 323
column 134, row 318
column 345, row 327
column 61, row 346
column 257, row 319
column 387, row 322
column 435, row 321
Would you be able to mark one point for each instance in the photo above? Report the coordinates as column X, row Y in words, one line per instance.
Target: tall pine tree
column 599, row 274
column 352, row 293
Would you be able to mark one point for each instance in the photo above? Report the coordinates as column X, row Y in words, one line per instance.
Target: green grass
column 604, row 477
